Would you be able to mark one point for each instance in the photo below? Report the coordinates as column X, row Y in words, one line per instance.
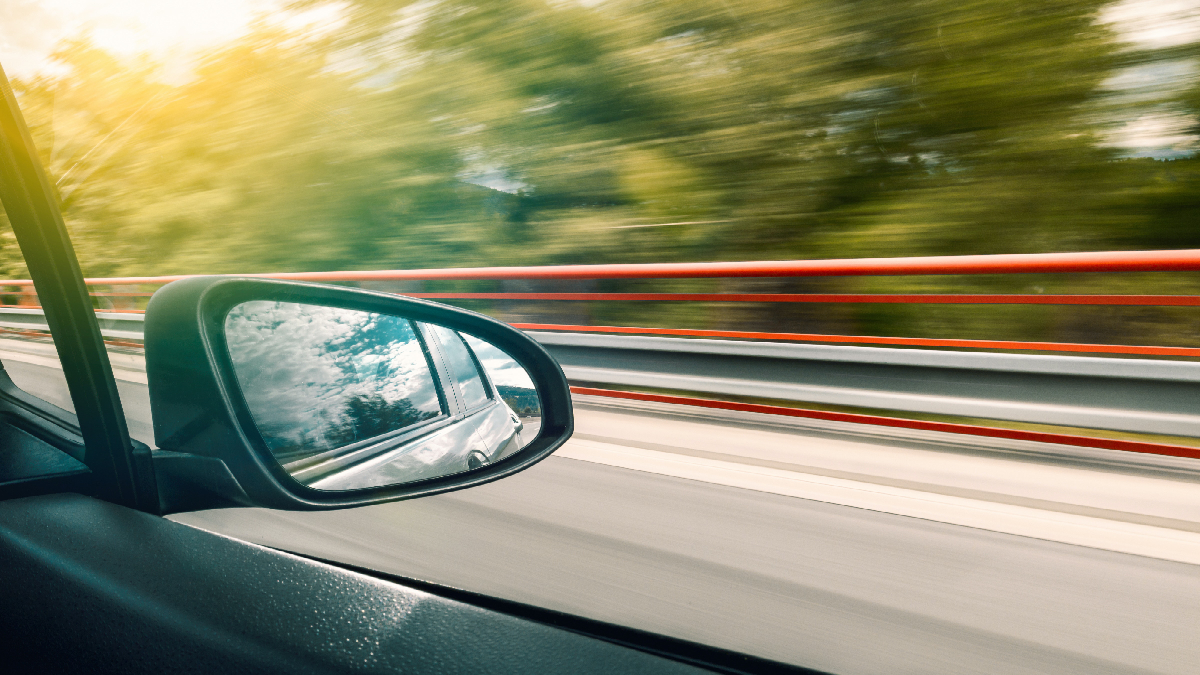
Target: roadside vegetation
column 453, row 133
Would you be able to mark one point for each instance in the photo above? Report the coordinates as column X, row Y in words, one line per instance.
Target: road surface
column 838, row 547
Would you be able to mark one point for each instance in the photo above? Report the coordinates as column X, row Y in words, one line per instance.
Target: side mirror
column 301, row 396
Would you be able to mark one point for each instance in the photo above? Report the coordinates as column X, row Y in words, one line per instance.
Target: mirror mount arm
column 189, row 482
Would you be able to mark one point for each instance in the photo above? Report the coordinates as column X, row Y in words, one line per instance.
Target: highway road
column 838, row 547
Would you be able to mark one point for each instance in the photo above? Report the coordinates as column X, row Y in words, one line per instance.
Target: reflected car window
column 508, row 376
column 462, row 368
column 317, row 378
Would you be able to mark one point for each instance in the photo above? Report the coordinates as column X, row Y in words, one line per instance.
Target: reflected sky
column 500, row 367
column 316, row 378
column 513, row 383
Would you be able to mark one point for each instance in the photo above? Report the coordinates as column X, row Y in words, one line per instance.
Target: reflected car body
column 465, row 439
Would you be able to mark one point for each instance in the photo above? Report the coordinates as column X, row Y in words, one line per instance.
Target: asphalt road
column 799, row 542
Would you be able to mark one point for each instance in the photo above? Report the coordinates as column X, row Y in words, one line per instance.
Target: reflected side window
column 463, row 368
column 510, row 379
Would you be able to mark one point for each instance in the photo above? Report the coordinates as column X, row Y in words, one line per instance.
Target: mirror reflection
column 346, row 399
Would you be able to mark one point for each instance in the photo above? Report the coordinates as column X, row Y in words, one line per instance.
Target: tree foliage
column 620, row 131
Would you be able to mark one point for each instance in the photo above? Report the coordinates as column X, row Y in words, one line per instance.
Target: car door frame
column 121, row 470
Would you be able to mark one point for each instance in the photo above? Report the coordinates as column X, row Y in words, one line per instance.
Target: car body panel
column 149, row 595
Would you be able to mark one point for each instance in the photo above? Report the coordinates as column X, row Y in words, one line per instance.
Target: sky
column 172, row 28
column 1155, row 23
column 170, row 31
column 173, row 31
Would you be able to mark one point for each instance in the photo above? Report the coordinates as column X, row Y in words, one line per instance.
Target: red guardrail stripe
column 947, row 427
column 869, row 339
column 886, row 298
column 1030, row 263
column 839, row 339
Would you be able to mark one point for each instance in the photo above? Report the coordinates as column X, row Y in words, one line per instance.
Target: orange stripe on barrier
column 885, row 298
column 1106, row 261
column 1068, row 347
column 868, row 339
column 1030, row 263
column 947, row 427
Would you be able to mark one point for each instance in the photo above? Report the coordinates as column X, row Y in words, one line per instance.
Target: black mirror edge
column 199, row 413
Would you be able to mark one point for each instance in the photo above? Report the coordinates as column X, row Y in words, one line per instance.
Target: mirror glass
column 346, row 399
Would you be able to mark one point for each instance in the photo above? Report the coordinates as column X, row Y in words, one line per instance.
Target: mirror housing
column 210, row 451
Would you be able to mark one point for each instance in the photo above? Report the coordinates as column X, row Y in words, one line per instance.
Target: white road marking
column 138, row 376
column 1091, row 532
column 1097, row 533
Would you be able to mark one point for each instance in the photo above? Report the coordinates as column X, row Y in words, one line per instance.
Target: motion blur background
column 268, row 136
column 259, row 136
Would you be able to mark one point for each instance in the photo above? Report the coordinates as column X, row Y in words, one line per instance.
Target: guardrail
column 113, row 325
column 1127, row 395
column 1141, row 396
column 125, row 293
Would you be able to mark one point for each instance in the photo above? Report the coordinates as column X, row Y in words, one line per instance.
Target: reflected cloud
column 500, row 367
column 316, row 377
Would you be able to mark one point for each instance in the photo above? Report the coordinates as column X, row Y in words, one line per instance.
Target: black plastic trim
column 30, row 466
column 32, row 207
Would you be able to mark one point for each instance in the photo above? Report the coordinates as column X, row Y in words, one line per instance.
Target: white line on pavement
column 1098, row 533
column 138, row 376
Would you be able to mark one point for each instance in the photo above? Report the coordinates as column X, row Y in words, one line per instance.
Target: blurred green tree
column 465, row 132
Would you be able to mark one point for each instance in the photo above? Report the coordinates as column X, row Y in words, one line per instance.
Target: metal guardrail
column 130, row 293
column 113, row 325
column 1132, row 395
column 1126, row 395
